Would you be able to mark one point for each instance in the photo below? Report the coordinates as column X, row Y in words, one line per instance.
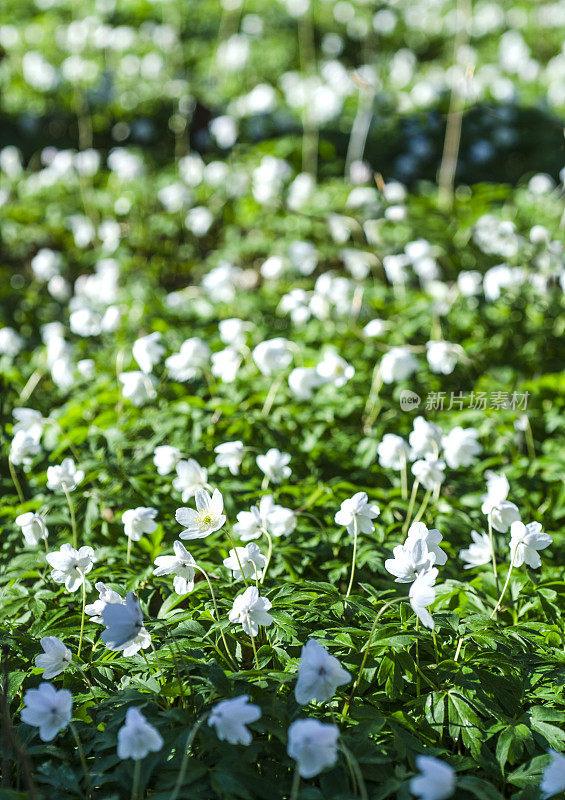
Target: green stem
column 16, row 481
column 269, row 553
column 270, row 399
column 82, row 612
column 73, row 520
column 216, row 611
column 184, row 764
column 356, row 769
column 295, row 785
column 355, row 536
column 423, row 507
column 136, row 780
column 410, row 506
column 82, row 760
column 252, row 642
column 505, row 587
column 404, row 477
column 128, row 554
column 491, row 537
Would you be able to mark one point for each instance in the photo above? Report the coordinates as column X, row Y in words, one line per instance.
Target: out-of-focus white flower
column 429, row 471
column 442, row 356
column 55, row 657
column 425, row 439
column 335, row 369
column 10, row 342
column 24, row 446
column 303, row 380
column 246, row 562
column 207, row 518
column 479, row 551
column 181, row 565
column 190, row 478
column 64, row 477
column 553, row 780
column 224, row 130
column 165, row 458
column 393, row 452
column 313, row 745
column 48, row 709
column 138, row 387
column 138, row 521
column 272, row 355
column 319, row 674
column 501, row 511
column 230, row 718
column 230, row 455
column 33, row 527
column 250, row 610
column 46, row 264
column 375, row 328
column 137, row 738
column 436, row 780
column 147, row 351
column 124, row 626
column 70, row 566
column 461, row 447
column 525, row 542
column 193, row 357
column 226, row 363
column 274, row 465
column 397, row 365
column 422, row 594
column 357, row 512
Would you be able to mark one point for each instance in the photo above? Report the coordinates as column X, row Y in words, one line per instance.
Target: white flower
column 147, row 351
column 64, row 477
column 225, row 364
column 138, row 387
column 137, row 738
column 190, row 478
column 274, row 465
column 124, row 626
column 46, row 264
column 230, row 455
column 251, row 610
column 313, row 745
column 105, row 596
column 28, row 420
column 10, row 342
column 55, row 657
column 357, row 511
column 429, row 471
column 418, row 531
column 181, row 565
column 272, row 355
column 442, row 356
column 526, row 541
column 23, row 447
column 436, row 780
column 207, row 518
column 410, row 559
column 460, row 447
column 166, row 458
column 502, row 512
column 397, row 365
column 553, row 780
column 70, row 565
column 230, row 717
column 302, row 381
column 335, row 369
column 33, row 527
column 392, row 452
column 249, row 559
column 277, row 520
column 479, row 552
column 186, row 365
column 138, row 521
column 425, row 439
column 233, row 331
column 319, row 674
column 48, row 709
column 423, row 594
column 374, row 328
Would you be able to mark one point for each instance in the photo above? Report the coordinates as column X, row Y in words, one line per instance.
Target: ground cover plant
column 281, row 367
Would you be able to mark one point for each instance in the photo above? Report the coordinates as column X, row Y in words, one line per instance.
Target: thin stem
column 269, row 553
column 418, row 681
column 505, row 587
column 73, row 520
column 404, row 477
column 355, row 536
column 136, row 780
column 372, row 406
column 295, row 785
column 491, row 537
column 184, row 764
column 410, row 506
column 82, row 760
column 366, row 655
column 128, row 554
column 530, row 441
column 356, row 770
column 215, row 609
column 16, row 481
column 82, row 615
column 252, row 641
column 423, row 507
column 269, row 400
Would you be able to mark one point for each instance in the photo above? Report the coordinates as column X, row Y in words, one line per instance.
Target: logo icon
column 409, row 401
